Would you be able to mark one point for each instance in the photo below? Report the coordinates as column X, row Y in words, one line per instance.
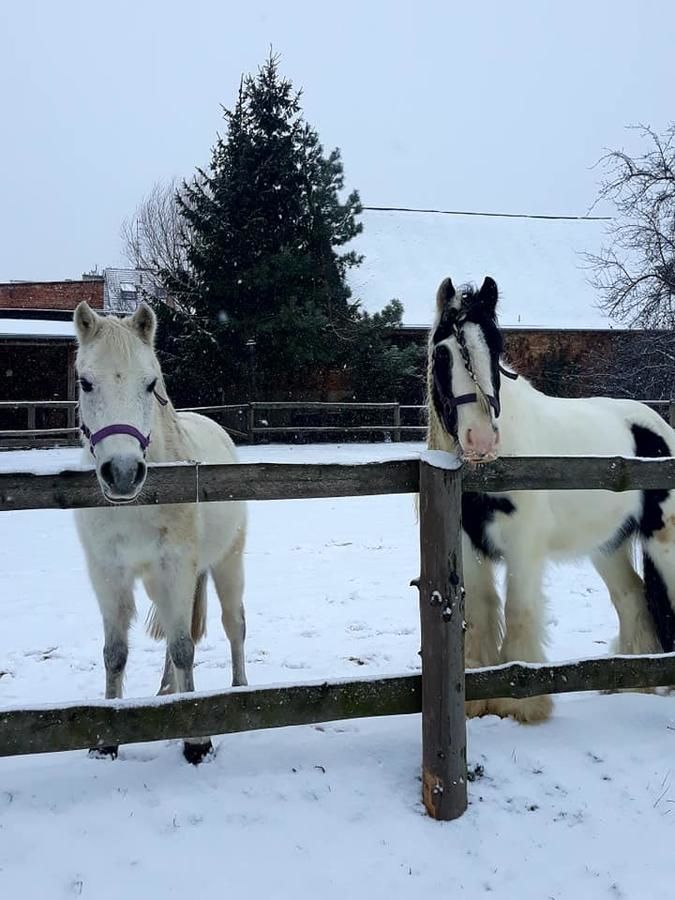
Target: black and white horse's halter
column 96, row 437
column 450, row 402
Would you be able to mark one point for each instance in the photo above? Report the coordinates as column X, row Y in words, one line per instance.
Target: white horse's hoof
column 529, row 711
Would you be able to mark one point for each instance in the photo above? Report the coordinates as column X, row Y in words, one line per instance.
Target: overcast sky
column 494, row 105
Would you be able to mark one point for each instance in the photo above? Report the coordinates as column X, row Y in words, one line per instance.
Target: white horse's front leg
column 525, row 628
column 172, row 588
column 114, row 592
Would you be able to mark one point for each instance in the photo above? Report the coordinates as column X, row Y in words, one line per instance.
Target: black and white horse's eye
column 86, row 385
column 152, row 386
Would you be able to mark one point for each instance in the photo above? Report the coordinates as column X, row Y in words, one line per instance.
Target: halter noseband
column 96, row 437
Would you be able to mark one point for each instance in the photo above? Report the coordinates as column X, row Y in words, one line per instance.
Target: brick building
column 52, row 295
column 37, row 347
column 37, row 338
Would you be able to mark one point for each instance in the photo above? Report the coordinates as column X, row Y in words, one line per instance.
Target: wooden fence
column 246, row 422
column 443, row 686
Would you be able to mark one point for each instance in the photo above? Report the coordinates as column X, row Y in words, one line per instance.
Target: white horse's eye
column 86, row 385
column 152, row 386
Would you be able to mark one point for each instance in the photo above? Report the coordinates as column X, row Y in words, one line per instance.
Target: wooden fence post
column 444, row 787
column 71, row 389
column 397, row 423
column 251, row 423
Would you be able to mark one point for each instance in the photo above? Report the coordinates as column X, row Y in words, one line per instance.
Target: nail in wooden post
column 444, row 787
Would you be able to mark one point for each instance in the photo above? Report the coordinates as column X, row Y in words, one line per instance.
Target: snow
column 577, row 807
column 36, row 328
column 538, row 265
column 439, row 459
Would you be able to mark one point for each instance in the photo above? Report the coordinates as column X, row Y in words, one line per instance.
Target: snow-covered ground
column 578, row 807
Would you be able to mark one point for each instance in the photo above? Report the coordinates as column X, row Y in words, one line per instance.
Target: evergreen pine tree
column 266, row 225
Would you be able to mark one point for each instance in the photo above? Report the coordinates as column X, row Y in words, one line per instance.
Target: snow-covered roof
column 537, row 263
column 39, row 328
column 124, row 288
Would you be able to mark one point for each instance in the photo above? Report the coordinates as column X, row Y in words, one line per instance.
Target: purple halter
column 120, row 428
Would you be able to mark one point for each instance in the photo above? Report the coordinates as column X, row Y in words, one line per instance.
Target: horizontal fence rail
column 250, row 423
column 249, row 426
column 193, row 483
column 197, row 483
column 570, row 473
column 78, row 726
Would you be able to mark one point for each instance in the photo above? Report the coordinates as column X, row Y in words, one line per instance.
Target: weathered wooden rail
column 250, row 426
column 443, row 686
column 198, row 483
column 78, row 726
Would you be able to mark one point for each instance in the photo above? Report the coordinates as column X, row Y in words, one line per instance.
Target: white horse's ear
column 445, row 293
column 144, row 323
column 87, row 322
column 488, row 293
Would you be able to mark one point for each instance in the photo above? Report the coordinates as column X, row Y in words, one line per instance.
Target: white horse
column 126, row 419
column 475, row 412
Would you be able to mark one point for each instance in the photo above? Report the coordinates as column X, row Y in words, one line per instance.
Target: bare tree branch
column 157, row 237
column 635, row 274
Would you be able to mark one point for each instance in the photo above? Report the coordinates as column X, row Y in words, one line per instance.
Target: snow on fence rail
column 442, row 688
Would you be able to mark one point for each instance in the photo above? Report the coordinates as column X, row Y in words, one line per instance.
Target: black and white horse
column 480, row 409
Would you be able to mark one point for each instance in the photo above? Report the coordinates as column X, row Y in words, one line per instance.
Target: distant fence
column 264, row 421
column 442, row 688
column 246, row 422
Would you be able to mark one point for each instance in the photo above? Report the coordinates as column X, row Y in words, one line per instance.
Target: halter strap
column 120, row 428
column 512, row 375
column 451, row 402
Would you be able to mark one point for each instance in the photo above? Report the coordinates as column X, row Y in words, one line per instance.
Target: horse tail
column 658, row 603
column 198, row 625
column 153, row 625
column 199, row 609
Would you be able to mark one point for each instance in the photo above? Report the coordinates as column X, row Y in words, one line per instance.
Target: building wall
column 51, row 294
column 562, row 363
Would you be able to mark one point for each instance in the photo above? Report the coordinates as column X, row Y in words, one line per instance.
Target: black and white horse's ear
column 87, row 322
column 144, row 323
column 445, row 294
column 488, row 294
